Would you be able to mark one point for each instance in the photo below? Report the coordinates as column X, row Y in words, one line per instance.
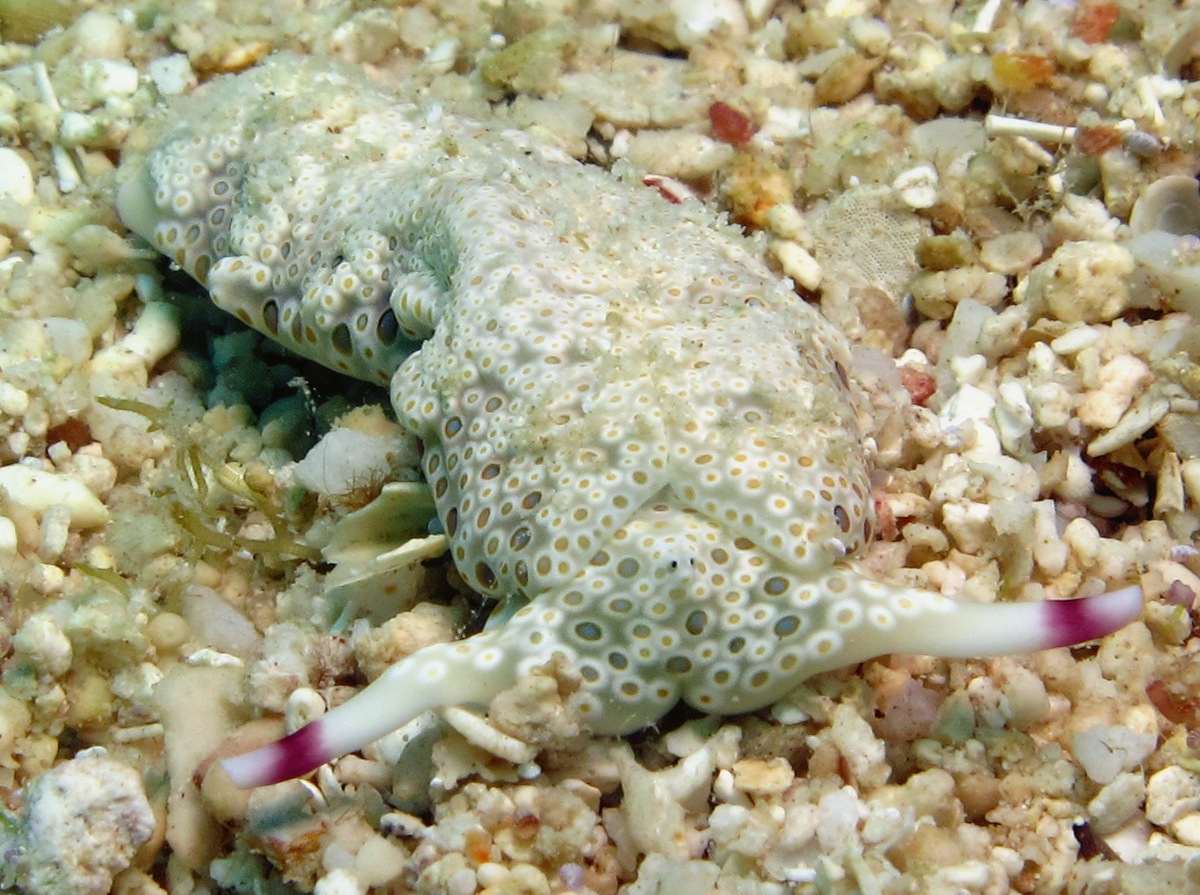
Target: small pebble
column 16, row 180
column 1103, row 752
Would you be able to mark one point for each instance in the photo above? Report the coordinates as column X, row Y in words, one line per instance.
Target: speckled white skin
column 626, row 417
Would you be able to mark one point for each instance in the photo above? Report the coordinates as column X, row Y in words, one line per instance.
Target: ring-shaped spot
column 679, row 665
column 271, row 317
column 846, row 613
column 786, row 626
column 485, row 576
column 520, row 538
column 589, row 631
column 824, row 644
column 775, row 585
column 387, row 328
column 342, row 342
column 696, row 622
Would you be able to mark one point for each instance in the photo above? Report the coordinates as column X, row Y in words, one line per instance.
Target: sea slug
column 626, row 417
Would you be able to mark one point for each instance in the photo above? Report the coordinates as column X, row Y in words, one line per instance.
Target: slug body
column 626, row 418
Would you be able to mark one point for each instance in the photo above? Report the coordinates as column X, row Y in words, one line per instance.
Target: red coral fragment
column 1176, row 709
column 729, row 125
column 1094, row 21
column 920, row 386
column 669, row 188
column 75, row 433
column 885, row 519
column 1096, row 141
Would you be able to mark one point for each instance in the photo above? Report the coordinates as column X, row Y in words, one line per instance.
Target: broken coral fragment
column 38, row 491
column 1084, row 281
column 82, row 824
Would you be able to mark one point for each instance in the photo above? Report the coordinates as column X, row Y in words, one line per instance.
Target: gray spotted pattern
column 626, row 418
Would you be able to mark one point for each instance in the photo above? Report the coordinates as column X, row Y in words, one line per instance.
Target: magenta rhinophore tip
column 1075, row 621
